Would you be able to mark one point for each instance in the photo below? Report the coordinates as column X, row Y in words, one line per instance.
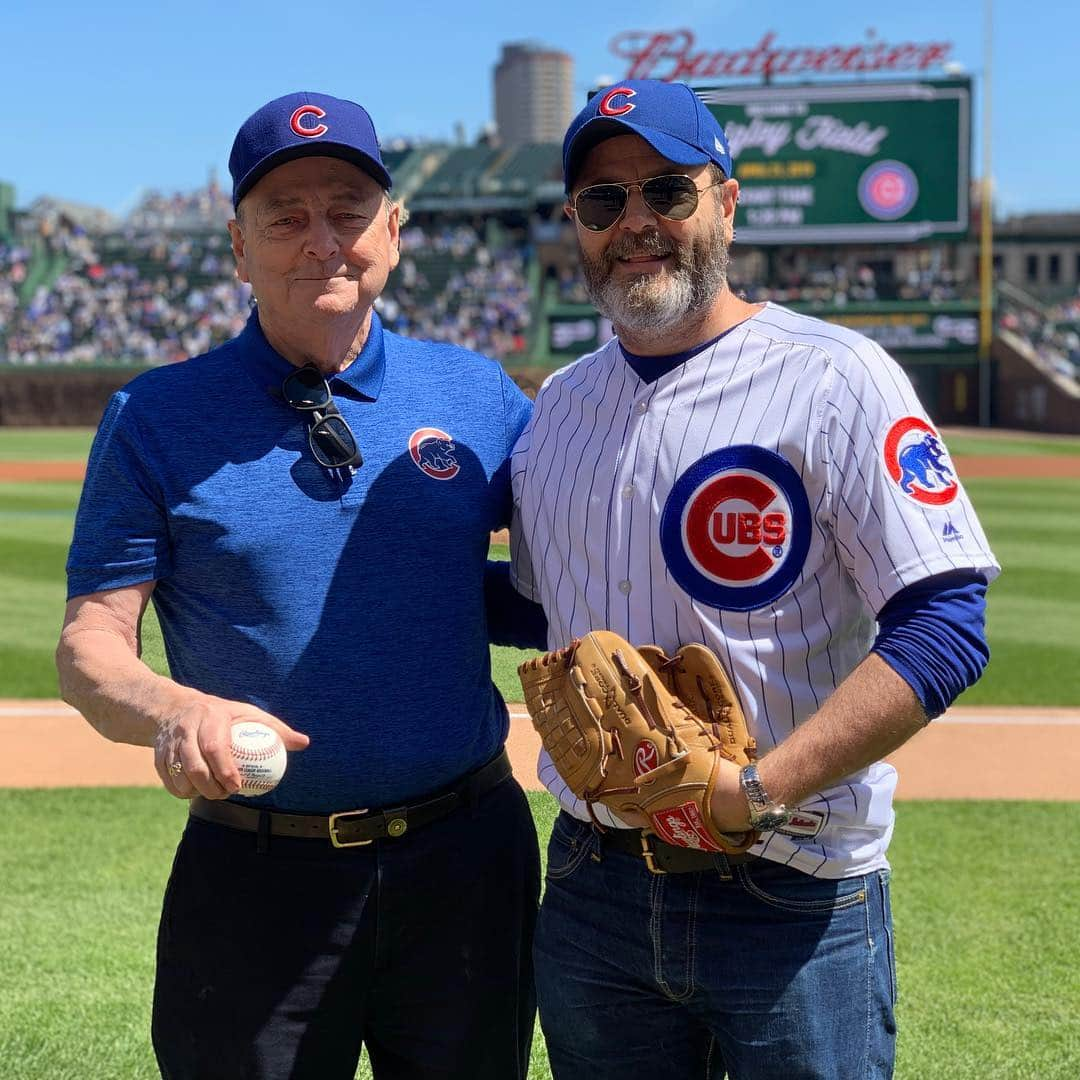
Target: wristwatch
column 765, row 815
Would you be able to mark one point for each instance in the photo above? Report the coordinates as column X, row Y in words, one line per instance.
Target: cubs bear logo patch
column 917, row 462
column 432, row 452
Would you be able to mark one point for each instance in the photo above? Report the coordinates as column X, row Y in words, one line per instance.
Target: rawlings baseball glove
column 638, row 730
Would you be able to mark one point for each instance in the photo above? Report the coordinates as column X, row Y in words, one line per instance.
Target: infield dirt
column 965, row 754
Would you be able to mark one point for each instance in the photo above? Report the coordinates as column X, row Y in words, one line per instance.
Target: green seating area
column 171, row 255
column 525, row 168
column 460, row 174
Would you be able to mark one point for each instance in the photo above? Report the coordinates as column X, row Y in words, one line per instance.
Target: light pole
column 986, row 230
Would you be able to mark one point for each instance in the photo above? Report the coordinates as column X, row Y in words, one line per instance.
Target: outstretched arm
column 103, row 677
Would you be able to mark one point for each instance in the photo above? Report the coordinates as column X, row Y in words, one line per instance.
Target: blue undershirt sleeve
column 511, row 618
column 933, row 635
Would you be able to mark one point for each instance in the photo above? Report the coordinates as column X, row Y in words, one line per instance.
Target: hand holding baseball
column 260, row 756
column 193, row 751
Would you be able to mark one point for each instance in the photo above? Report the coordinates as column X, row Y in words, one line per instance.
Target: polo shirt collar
column 365, row 374
column 363, row 378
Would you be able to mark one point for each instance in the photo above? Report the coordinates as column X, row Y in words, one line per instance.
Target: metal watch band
column 765, row 815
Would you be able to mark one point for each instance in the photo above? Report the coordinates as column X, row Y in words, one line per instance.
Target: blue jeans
column 751, row 969
column 280, row 964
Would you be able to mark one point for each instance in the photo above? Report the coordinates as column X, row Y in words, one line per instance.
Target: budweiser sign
column 672, row 55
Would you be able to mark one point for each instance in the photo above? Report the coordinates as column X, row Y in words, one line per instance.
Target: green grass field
column 986, row 932
column 969, row 442
column 45, row 444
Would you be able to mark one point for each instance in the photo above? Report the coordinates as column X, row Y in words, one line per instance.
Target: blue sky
column 107, row 98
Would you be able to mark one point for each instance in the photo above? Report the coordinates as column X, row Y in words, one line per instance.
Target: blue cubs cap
column 299, row 125
column 670, row 117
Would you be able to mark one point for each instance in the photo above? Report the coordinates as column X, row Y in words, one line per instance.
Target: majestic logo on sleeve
column 736, row 528
column 432, row 452
column 918, row 463
column 308, row 131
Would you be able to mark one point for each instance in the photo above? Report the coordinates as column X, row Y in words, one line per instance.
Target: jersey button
column 642, row 407
column 625, row 587
column 628, row 491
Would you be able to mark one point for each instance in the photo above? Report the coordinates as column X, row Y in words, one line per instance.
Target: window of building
column 1033, row 268
column 1053, row 268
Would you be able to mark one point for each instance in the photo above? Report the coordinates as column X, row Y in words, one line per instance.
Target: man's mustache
column 641, row 245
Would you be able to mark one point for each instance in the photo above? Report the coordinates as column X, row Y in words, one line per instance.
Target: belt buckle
column 649, row 856
column 333, row 829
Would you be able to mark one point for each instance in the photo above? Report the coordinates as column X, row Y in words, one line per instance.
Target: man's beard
column 646, row 304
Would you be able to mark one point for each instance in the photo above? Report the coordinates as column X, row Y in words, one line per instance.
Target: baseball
column 260, row 756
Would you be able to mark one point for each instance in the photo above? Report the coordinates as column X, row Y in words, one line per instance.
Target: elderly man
column 308, row 507
column 736, row 475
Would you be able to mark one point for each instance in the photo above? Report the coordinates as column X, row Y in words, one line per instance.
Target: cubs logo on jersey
column 735, row 530
column 917, row 462
column 432, row 452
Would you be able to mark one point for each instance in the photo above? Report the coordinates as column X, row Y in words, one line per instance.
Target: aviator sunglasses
column 329, row 436
column 674, row 197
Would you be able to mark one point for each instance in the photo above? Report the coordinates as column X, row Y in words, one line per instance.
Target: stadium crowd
column 485, row 303
column 101, row 308
column 13, row 266
column 1053, row 333
column 163, row 287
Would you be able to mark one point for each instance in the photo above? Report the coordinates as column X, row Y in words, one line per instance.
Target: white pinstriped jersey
column 766, row 497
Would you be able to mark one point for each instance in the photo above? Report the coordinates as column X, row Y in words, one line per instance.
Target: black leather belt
column 355, row 828
column 663, row 858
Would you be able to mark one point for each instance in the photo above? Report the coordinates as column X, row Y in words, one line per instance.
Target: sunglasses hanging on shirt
column 329, row 436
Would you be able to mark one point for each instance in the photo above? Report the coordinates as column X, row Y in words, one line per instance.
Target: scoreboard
column 855, row 162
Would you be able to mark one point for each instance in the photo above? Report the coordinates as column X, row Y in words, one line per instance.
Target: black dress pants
column 281, row 964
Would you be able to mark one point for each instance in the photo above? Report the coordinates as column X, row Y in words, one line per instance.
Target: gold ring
column 176, row 768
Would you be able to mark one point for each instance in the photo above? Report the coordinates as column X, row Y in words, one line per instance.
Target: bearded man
column 733, row 474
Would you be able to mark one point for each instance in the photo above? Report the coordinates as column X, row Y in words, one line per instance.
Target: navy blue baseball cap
column 299, row 125
column 670, row 117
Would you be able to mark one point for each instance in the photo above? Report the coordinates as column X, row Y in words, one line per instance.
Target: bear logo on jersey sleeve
column 735, row 530
column 918, row 464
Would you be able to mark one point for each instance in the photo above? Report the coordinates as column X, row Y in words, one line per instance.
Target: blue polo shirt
column 350, row 605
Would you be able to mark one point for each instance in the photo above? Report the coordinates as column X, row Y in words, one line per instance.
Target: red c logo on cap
column 607, row 109
column 308, row 110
